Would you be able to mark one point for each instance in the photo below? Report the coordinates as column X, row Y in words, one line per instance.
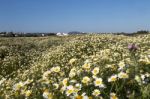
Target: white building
column 61, row 34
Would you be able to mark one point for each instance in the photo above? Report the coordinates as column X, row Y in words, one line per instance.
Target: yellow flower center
column 79, row 97
column 98, row 82
column 113, row 79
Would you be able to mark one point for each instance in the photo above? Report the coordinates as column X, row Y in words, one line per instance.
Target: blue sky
column 74, row 15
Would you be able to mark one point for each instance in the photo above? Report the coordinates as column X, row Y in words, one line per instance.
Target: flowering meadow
column 94, row 66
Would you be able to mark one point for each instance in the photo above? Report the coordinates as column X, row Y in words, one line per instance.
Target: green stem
column 112, row 87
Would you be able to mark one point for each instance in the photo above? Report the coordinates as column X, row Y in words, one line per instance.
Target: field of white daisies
column 92, row 66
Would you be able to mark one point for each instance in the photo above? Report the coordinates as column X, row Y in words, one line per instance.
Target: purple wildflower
column 132, row 47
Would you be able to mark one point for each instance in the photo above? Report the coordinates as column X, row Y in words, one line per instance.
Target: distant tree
column 142, row 32
column 10, row 34
column 2, row 32
column 50, row 34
